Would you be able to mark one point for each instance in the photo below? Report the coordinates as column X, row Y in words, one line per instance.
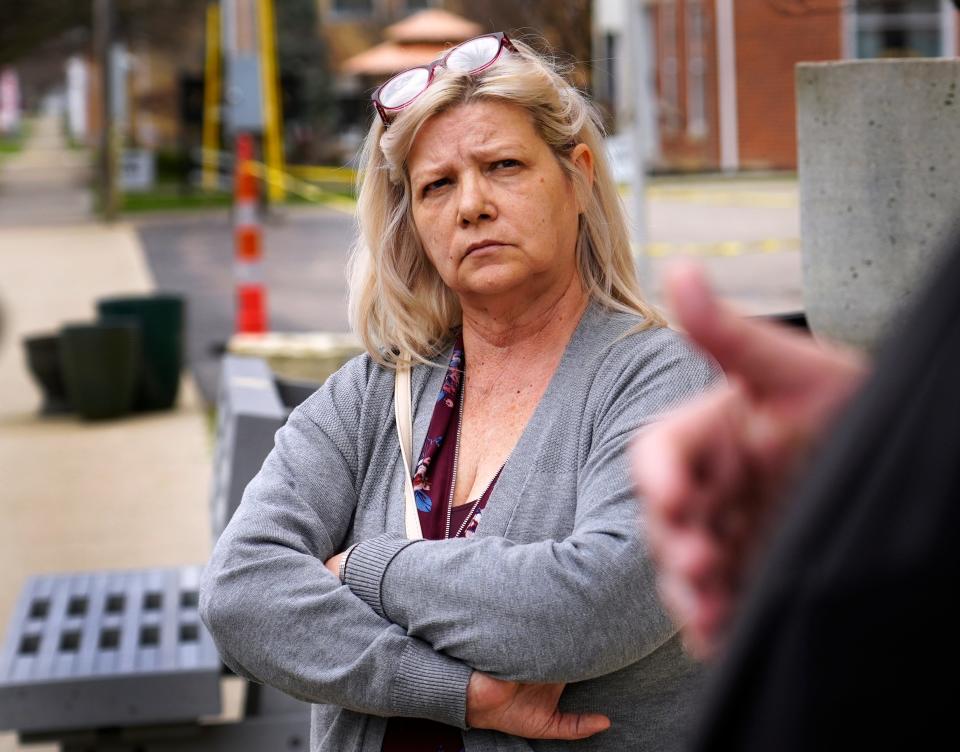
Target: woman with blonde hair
column 492, row 591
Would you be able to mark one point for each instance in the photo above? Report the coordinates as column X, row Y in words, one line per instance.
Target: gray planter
column 878, row 165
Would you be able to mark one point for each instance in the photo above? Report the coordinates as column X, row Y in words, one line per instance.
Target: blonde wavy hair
column 397, row 301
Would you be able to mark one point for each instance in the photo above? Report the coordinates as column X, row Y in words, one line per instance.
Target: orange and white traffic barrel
column 248, row 242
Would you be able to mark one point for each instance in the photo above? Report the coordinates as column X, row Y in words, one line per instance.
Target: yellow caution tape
column 725, row 248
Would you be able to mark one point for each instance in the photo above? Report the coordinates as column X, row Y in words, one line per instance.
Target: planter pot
column 161, row 321
column 43, row 359
column 99, row 363
column 878, row 161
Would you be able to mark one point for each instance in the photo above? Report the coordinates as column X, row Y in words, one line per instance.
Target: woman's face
column 494, row 210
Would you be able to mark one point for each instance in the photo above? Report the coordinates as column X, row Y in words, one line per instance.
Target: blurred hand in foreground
column 713, row 471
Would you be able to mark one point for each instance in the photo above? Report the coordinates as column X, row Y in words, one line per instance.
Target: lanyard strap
column 404, row 417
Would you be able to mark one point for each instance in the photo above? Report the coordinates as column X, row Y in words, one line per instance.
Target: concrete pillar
column 879, row 167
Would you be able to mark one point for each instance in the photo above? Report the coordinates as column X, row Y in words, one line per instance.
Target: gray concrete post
column 878, row 167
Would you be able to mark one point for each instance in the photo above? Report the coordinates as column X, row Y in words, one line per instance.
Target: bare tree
column 562, row 28
column 28, row 24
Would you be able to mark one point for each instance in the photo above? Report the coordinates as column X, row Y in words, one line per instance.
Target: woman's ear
column 582, row 158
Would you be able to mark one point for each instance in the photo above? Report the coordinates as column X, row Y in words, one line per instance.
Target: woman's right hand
column 526, row 710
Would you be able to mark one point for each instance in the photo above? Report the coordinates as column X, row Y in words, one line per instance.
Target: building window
column 669, row 67
column 898, row 28
column 353, row 7
column 696, row 70
column 610, row 58
column 605, row 75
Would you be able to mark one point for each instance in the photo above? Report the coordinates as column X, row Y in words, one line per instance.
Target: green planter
column 43, row 359
column 99, row 363
column 161, row 321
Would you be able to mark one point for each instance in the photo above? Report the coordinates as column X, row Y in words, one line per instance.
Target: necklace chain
column 453, row 475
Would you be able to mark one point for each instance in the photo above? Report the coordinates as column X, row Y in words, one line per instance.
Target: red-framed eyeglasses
column 473, row 56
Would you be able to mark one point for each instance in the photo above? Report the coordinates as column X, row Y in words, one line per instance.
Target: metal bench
column 119, row 660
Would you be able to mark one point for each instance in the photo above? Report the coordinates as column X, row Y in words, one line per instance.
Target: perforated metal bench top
column 110, row 648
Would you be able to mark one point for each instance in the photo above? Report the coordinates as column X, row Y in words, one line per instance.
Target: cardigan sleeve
column 552, row 610
column 280, row 617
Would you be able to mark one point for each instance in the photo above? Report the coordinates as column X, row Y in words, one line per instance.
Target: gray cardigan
column 555, row 586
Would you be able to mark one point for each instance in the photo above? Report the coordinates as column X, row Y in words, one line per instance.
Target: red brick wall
column 768, row 45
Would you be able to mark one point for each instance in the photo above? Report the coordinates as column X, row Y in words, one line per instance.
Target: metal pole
column 211, row 101
column 638, row 44
column 103, row 36
column 272, row 111
column 727, row 85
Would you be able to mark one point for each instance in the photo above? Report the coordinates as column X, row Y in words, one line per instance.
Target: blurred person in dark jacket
column 805, row 518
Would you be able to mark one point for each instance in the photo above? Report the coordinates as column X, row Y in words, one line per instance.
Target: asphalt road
column 304, row 266
column 744, row 232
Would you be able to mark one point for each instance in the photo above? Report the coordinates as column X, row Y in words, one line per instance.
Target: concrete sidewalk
column 81, row 496
column 45, row 183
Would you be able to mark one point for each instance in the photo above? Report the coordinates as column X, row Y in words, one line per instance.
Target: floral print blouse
column 431, row 489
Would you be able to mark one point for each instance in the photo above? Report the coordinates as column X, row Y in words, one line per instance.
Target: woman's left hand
column 526, row 710
column 333, row 564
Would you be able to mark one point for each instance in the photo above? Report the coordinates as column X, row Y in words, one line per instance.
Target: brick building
column 721, row 71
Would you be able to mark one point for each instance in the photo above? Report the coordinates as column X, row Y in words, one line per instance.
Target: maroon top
column 431, row 486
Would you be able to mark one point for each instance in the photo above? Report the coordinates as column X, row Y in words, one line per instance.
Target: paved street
column 304, row 270
column 744, row 231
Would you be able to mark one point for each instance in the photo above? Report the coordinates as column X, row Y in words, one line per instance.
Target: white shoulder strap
column 404, row 416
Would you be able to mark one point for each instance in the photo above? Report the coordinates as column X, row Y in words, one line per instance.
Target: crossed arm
column 544, row 611
column 279, row 617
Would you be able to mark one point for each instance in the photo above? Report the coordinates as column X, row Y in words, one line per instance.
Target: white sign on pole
column 137, row 170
